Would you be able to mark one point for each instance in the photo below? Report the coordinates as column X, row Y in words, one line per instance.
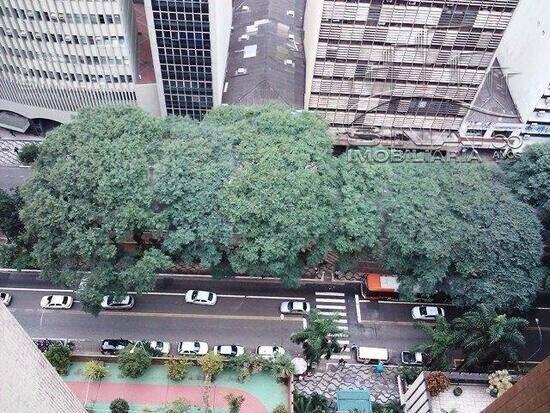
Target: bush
column 211, row 365
column 437, row 382
column 133, row 364
column 60, row 358
column 28, row 153
column 410, row 373
column 119, row 406
column 95, row 370
column 248, row 364
column 178, row 368
column 235, row 402
column 178, row 406
column 280, row 409
column 282, row 367
column 500, row 381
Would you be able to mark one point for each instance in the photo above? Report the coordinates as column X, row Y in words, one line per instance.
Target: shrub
column 178, row 368
column 437, row 382
column 410, row 373
column 211, row 365
column 235, row 402
column 248, row 364
column 94, row 370
column 282, row 367
column 119, row 406
column 178, row 406
column 133, row 363
column 28, row 153
column 280, row 409
column 60, row 358
column 500, row 381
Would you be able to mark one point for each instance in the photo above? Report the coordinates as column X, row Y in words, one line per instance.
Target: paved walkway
column 383, row 387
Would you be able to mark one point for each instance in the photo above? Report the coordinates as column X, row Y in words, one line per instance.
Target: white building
column 58, row 56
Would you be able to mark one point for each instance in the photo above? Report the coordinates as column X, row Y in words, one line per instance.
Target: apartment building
column 58, row 56
column 189, row 42
column 400, row 69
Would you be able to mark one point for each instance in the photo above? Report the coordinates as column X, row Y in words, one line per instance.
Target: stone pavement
column 383, row 387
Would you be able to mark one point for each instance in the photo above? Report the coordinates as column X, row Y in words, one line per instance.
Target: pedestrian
column 353, row 347
column 379, row 369
column 341, row 362
column 344, row 347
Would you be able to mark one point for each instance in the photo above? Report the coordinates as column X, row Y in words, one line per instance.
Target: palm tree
column 319, row 338
column 486, row 336
column 441, row 345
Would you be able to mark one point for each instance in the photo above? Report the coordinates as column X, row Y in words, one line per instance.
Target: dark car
column 114, row 345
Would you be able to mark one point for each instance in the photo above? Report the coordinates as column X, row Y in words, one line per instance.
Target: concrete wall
column 312, row 26
column 524, row 54
column 147, row 98
column 29, row 384
column 221, row 15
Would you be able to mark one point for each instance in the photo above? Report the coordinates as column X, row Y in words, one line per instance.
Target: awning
column 353, row 400
column 300, row 365
column 14, row 122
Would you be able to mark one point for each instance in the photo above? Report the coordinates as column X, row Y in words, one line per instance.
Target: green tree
column 119, row 406
column 485, row 336
column 91, row 192
column 211, row 365
column 453, row 227
column 60, row 358
column 319, row 338
column 95, row 370
column 280, row 199
column 235, row 402
column 178, row 406
column 132, row 362
column 282, row 367
column 10, row 224
column 280, row 408
column 314, row 403
column 178, row 368
column 442, row 343
column 28, row 153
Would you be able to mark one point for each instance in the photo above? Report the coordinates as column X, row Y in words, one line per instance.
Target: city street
column 247, row 313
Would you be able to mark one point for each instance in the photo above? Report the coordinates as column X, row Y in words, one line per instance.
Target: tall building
column 189, row 40
column 57, row 57
column 29, row 383
column 400, row 68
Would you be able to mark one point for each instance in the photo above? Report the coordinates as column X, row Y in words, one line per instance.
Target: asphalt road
column 247, row 313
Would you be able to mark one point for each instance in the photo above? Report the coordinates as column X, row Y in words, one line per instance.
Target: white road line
column 331, row 294
column 358, row 308
column 265, row 297
column 339, row 356
column 542, row 308
column 343, row 327
column 330, row 313
column 341, row 321
column 343, row 342
column 331, row 307
column 304, row 323
column 51, row 290
column 330, row 300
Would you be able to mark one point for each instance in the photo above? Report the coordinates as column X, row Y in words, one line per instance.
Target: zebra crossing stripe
column 341, row 321
column 331, row 300
column 339, row 356
column 343, row 342
column 331, row 307
column 331, row 294
column 331, row 314
column 342, row 327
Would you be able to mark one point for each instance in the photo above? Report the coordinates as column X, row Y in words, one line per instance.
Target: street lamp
column 540, row 340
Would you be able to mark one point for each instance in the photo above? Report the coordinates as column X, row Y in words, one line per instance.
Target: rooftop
column 266, row 54
column 474, row 399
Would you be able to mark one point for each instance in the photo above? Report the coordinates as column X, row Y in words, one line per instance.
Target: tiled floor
column 474, row 399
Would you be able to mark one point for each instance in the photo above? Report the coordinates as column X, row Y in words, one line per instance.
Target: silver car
column 295, row 307
column 113, row 302
column 192, row 348
column 63, row 302
column 201, row 297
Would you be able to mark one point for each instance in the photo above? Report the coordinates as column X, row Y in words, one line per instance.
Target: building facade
column 189, row 41
column 58, row 56
column 411, row 68
column 29, row 383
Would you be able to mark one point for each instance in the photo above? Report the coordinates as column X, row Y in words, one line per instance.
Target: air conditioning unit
column 245, row 8
column 243, row 37
column 289, row 62
column 53, row 17
column 290, row 36
column 290, row 13
column 241, row 71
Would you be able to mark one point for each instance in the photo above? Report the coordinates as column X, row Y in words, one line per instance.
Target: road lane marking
column 345, row 328
column 338, row 356
column 331, row 307
column 387, row 322
column 332, row 314
column 265, row 297
column 304, row 323
column 51, row 290
column 331, row 300
column 358, row 308
column 341, row 321
column 331, row 294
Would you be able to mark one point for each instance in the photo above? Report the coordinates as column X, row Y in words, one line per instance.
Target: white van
column 372, row 355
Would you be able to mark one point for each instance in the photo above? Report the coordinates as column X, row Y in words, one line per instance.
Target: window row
column 64, row 38
column 75, row 77
column 60, row 17
column 64, row 58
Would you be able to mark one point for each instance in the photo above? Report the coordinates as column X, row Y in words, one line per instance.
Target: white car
column 162, row 347
column 410, row 358
column 229, row 351
column 270, row 352
column 63, row 302
column 192, row 348
column 427, row 312
column 112, row 302
column 295, row 307
column 5, row 298
column 200, row 297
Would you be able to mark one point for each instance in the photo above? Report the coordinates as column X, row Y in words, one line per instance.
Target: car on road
column 372, row 355
column 295, row 307
column 411, row 358
column 269, row 352
column 200, row 297
column 229, row 351
column 159, row 347
column 192, row 348
column 114, row 345
column 5, row 298
column 63, row 302
column 113, row 302
column 427, row 312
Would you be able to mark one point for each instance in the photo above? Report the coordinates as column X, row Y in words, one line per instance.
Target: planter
column 457, row 391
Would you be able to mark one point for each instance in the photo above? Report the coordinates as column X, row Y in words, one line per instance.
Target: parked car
column 56, row 302
column 5, row 298
column 200, row 297
column 229, row 351
column 372, row 355
column 427, row 312
column 270, row 352
column 192, row 348
column 160, row 347
column 295, row 307
column 412, row 359
column 114, row 345
column 113, row 302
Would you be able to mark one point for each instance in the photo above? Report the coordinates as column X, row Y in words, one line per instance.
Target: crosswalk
column 334, row 305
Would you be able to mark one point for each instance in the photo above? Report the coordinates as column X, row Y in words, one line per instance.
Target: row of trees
column 117, row 195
